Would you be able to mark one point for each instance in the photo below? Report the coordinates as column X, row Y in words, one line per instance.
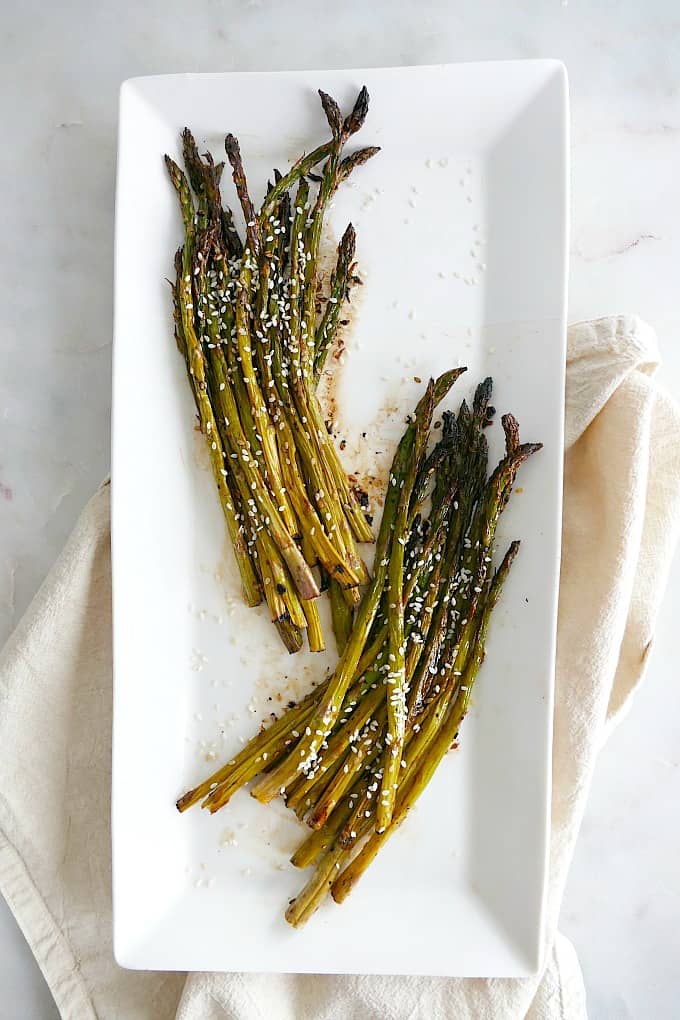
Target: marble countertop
column 60, row 72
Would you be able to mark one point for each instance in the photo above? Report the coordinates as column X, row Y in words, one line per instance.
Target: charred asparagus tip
column 356, row 118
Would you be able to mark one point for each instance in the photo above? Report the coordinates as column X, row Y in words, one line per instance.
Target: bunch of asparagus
column 255, row 330
column 353, row 757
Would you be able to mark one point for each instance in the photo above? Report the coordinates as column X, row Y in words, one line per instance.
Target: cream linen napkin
column 621, row 516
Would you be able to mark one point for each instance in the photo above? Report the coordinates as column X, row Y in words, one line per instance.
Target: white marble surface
column 59, row 74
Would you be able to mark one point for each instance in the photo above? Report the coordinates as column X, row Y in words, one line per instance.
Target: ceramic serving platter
column 461, row 227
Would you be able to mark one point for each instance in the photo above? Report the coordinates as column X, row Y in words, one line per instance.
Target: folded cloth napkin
column 621, row 517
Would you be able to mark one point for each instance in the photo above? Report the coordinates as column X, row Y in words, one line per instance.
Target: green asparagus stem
column 264, row 427
column 314, row 631
column 253, row 232
column 313, row 234
column 327, row 713
column 267, row 740
column 197, row 374
column 254, row 320
column 205, row 180
column 446, row 734
column 349, row 735
column 424, row 754
column 340, row 283
column 275, row 741
column 466, row 660
column 298, row 171
column 334, row 172
column 354, row 756
column 305, row 164
column 290, row 634
column 367, row 750
column 314, row 893
column 300, row 795
column 341, row 614
column 336, row 480
column 332, row 551
column 323, row 838
column 436, row 588
column 278, row 588
column 396, row 677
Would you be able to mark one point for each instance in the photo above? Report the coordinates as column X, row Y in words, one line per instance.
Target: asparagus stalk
column 314, row 630
column 275, row 742
column 424, row 755
column 253, row 229
column 445, row 735
column 246, row 324
column 260, row 496
column 396, row 677
column 290, row 634
column 297, row 172
column 366, row 753
column 300, row 795
column 244, row 339
column 310, row 898
column 340, row 284
column 341, row 131
column 278, row 588
column 341, row 614
column 327, row 712
column 306, row 752
column 443, row 595
column 189, row 343
column 249, row 295
column 323, row 838
column 469, row 652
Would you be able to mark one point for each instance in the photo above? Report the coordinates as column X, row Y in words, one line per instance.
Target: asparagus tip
column 356, row 159
column 333, row 114
column 445, row 381
column 349, row 237
column 511, row 430
column 482, row 397
column 232, row 148
column 188, row 138
column 185, row 801
column 357, row 117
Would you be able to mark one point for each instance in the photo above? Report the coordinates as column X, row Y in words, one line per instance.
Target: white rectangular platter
column 461, row 227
